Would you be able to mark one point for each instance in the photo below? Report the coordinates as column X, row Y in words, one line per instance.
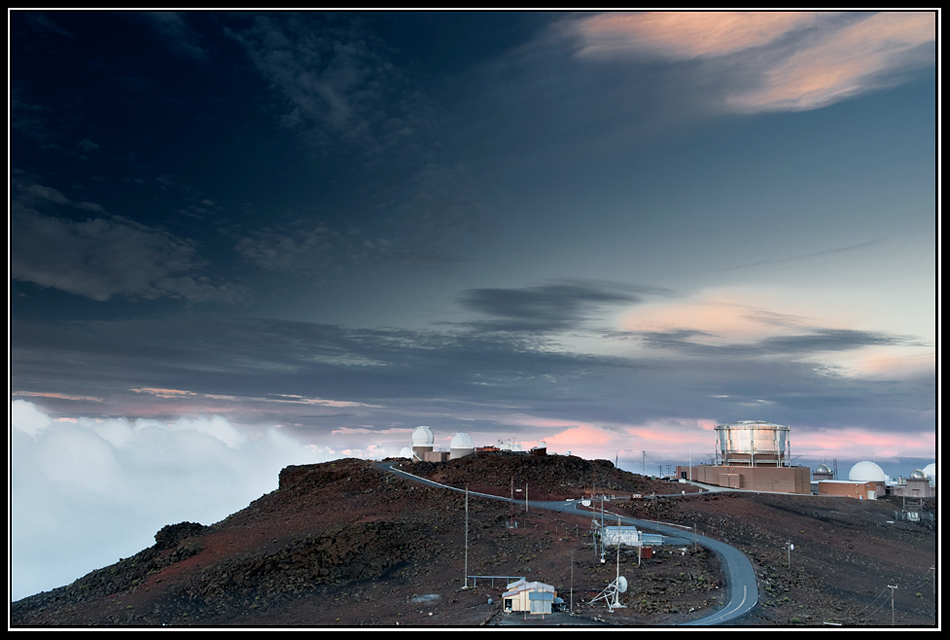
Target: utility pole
column 639, row 547
column 603, row 545
column 526, row 498
column 466, row 539
column 617, row 580
column 644, row 463
column 892, row 587
column 572, row 581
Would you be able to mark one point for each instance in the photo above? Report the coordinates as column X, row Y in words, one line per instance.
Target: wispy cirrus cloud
column 427, row 221
column 335, row 80
column 100, row 257
column 782, row 61
column 171, row 28
column 280, row 398
column 687, row 34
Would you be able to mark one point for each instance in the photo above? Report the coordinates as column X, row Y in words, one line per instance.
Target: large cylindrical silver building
column 752, row 443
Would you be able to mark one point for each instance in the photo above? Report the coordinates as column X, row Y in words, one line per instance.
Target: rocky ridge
column 347, row 544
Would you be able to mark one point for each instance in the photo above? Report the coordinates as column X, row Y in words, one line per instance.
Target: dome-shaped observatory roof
column 917, row 474
column 406, row 452
column 823, row 469
column 866, row 471
column 422, row 437
column 461, row 441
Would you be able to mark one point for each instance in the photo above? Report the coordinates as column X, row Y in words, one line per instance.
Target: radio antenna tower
column 611, row 595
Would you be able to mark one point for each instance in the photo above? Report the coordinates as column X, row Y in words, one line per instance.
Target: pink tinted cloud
column 855, row 443
column 834, row 59
column 722, row 316
column 688, row 34
column 844, row 63
column 57, row 396
column 582, row 435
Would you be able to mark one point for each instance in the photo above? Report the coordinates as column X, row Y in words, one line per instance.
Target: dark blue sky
column 299, row 236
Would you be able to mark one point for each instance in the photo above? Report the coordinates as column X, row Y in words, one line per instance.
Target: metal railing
column 493, row 578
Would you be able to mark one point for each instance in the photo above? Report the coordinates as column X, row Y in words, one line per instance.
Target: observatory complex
column 867, row 481
column 754, row 455
column 423, row 447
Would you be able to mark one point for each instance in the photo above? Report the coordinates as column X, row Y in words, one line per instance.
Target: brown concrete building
column 773, row 479
column 862, row 490
column 436, row 456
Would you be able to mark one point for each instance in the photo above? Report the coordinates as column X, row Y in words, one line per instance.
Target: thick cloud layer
column 86, row 492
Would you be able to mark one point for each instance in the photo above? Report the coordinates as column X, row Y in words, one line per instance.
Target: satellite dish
column 622, row 584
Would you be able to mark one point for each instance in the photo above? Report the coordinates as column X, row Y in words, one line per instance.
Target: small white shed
column 532, row 597
column 627, row 536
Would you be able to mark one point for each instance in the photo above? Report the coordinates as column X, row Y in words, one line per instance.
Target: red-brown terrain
column 349, row 544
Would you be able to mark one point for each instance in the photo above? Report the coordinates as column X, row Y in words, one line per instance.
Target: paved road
column 739, row 576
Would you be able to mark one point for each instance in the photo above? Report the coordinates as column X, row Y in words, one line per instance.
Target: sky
column 242, row 240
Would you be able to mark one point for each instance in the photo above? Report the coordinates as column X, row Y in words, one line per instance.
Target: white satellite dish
column 611, row 595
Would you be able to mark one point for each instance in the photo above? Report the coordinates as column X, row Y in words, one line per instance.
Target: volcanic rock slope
column 348, row 544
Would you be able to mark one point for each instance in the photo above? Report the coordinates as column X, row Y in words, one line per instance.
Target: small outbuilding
column 628, row 536
column 531, row 597
column 862, row 490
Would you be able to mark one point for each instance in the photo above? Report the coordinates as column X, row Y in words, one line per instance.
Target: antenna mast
column 511, row 505
column 465, row 581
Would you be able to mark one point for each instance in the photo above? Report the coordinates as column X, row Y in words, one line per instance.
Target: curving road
column 741, row 590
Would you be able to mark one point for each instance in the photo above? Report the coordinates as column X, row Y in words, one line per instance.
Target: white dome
column 422, row 437
column 930, row 471
column 866, row 471
column 461, row 441
column 406, row 452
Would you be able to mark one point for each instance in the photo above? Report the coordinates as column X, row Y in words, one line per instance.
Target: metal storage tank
column 752, row 443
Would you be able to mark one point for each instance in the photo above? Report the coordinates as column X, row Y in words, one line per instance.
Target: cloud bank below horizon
column 85, row 492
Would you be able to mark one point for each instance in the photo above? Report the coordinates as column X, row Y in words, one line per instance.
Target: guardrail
column 493, row 578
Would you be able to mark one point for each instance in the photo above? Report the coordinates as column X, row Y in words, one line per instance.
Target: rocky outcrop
column 171, row 534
